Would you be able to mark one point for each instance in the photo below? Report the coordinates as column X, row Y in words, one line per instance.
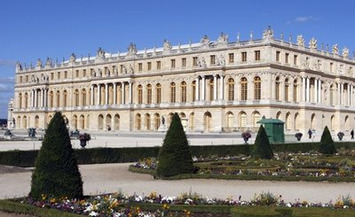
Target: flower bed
column 186, row 204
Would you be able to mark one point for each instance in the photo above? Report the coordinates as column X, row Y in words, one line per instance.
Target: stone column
column 319, row 91
column 106, row 93
column 348, row 101
column 197, row 89
column 339, row 94
column 130, row 92
column 307, row 89
column 41, row 104
column 351, row 95
column 92, row 95
column 123, row 100
column 221, row 87
column 203, row 88
column 315, row 90
column 114, row 93
column 31, row 99
column 45, row 98
column 215, row 87
column 35, row 103
column 98, row 94
column 303, row 89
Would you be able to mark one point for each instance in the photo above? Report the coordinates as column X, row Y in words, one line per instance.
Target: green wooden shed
column 274, row 129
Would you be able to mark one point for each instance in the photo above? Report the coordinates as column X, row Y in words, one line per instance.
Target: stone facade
column 215, row 86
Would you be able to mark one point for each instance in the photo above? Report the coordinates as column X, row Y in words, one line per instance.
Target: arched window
column 193, row 85
column 286, row 90
column 191, row 121
column 65, row 98
column 156, row 121
column 183, row 91
column 230, row 120
column 313, row 121
column 257, row 88
column 230, row 89
column 101, row 122
column 51, row 97
column 58, row 98
column 297, row 122
column 244, row 88
column 20, row 100
column 24, row 122
column 242, row 120
column 255, row 119
column 147, row 121
column 82, row 122
column 208, row 121
column 83, row 95
column 108, row 122
column 288, row 121
column 211, row 88
column 76, row 97
column 36, row 121
column 332, row 123
column 295, row 91
column 158, row 89
column 75, row 122
column 332, row 96
column 149, row 93
column 140, row 94
column 172, row 92
column 347, row 123
column 117, row 122
column 277, row 88
column 26, row 100
column 138, row 122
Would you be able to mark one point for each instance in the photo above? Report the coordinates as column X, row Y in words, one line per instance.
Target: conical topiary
column 262, row 148
column 175, row 155
column 56, row 172
column 327, row 145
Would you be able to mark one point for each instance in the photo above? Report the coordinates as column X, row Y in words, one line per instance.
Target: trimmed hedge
column 262, row 211
column 19, row 208
column 124, row 155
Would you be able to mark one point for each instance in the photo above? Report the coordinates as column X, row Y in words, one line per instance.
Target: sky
column 40, row 28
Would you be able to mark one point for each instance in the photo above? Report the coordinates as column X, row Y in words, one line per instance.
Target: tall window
column 230, row 89
column 173, row 64
column 158, row 89
column 26, row 100
column 194, row 61
column 183, row 62
column 149, row 66
column 286, row 90
column 257, row 55
column 20, row 100
column 277, row 56
column 286, row 57
column 140, row 94
column 277, row 88
column 51, row 97
column 158, row 65
column 149, row 93
column 65, row 98
column 140, row 67
column 76, row 98
column 183, row 91
column 213, row 59
column 83, row 94
column 244, row 56
column 172, row 92
column 193, row 90
column 231, row 57
column 295, row 92
column 257, row 88
column 84, row 72
column 244, row 88
column 58, row 98
column 295, row 60
column 211, row 87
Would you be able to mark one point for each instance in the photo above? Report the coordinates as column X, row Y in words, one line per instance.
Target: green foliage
column 175, row 155
column 260, row 211
column 262, row 147
column 56, row 171
column 326, row 143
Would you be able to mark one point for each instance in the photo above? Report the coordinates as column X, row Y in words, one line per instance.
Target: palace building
column 215, row 86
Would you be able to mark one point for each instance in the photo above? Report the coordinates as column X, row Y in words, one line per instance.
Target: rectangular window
column 277, row 56
column 106, row 72
column 113, row 70
column 231, row 57
column 244, row 56
column 212, row 59
column 140, row 67
column 331, row 67
column 58, row 75
column 295, row 60
column 84, row 72
column 20, row 79
column 257, row 55
column 66, row 74
column 121, row 68
column 172, row 64
column 76, row 73
column 183, row 62
column 149, row 66
column 286, row 57
column 52, row 77
column 194, row 61
column 158, row 65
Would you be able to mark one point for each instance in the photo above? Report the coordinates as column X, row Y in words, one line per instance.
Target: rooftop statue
column 100, row 53
column 48, row 62
column 18, row 65
column 39, row 63
column 205, row 41
column 167, row 45
column 345, row 52
column 132, row 49
column 335, row 49
column 268, row 33
column 300, row 40
column 72, row 58
column 222, row 39
column 313, row 43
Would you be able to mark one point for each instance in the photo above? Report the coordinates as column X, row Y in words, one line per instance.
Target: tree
column 327, row 145
column 262, row 148
column 175, row 155
column 56, row 172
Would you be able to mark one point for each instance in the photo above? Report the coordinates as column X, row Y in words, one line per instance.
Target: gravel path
column 106, row 178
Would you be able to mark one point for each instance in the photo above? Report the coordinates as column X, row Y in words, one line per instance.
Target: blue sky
column 39, row 29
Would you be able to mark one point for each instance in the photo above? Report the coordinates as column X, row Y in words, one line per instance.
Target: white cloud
column 303, row 19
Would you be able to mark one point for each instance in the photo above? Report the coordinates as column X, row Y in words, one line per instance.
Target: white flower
column 93, row 213
column 288, row 205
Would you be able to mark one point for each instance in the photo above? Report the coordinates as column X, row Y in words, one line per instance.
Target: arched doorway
column 117, row 122
column 207, row 122
column 100, row 122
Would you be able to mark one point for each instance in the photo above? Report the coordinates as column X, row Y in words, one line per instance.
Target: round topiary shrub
column 56, row 172
column 175, row 156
